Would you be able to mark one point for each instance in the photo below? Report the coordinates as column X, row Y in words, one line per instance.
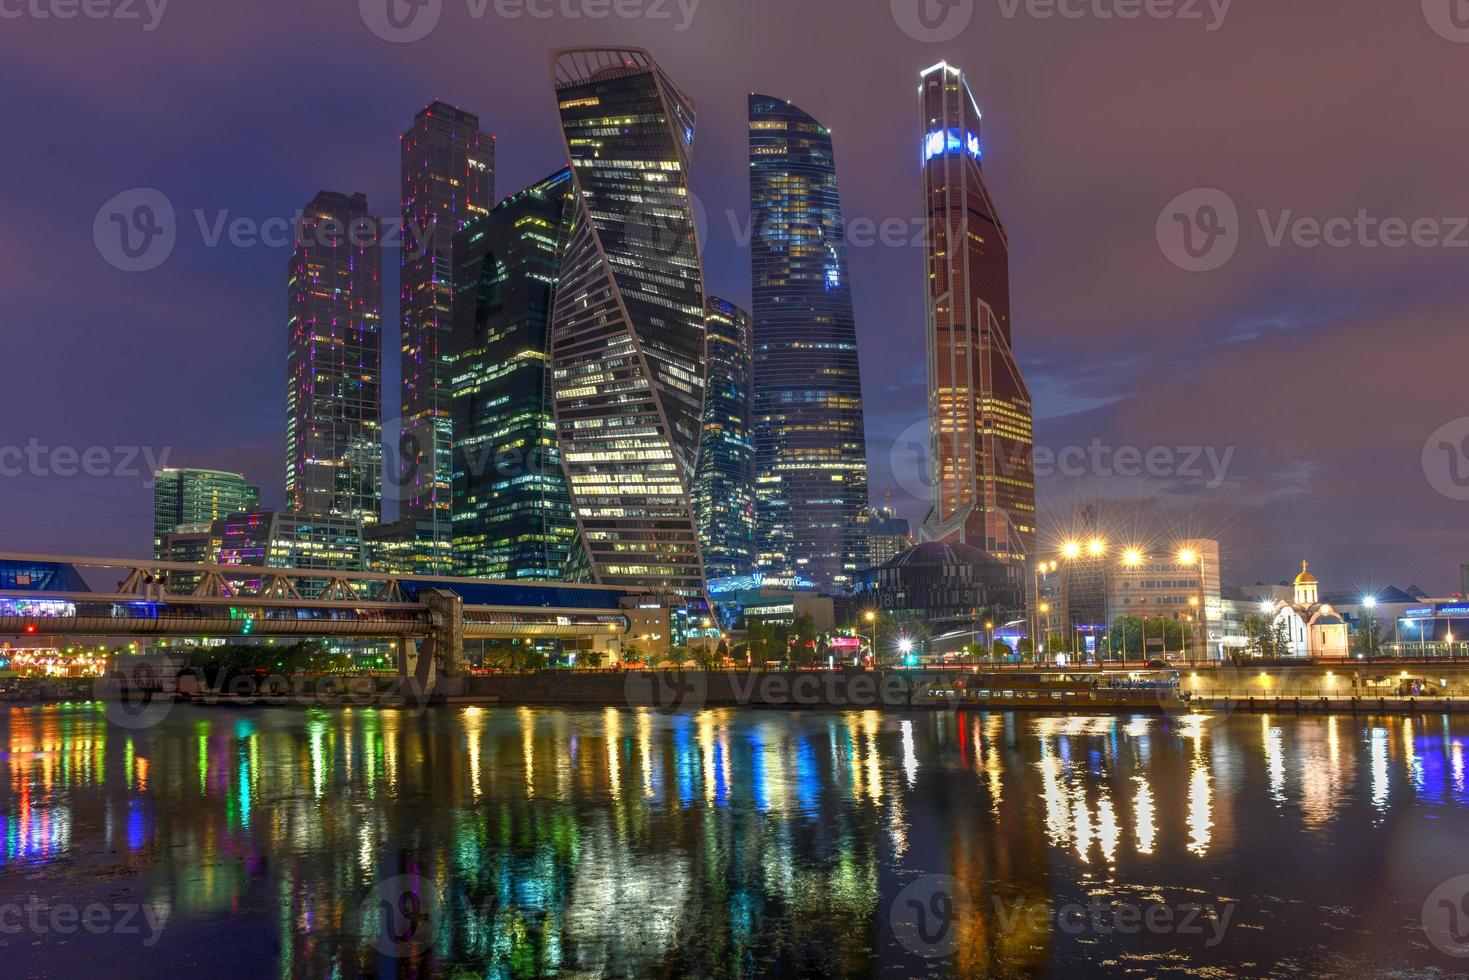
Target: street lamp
column 1132, row 557
column 1096, row 547
column 871, row 618
column 1071, row 549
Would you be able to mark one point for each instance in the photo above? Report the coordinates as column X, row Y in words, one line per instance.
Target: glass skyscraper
column 193, row 497
column 979, row 408
column 810, row 441
column 448, row 174
column 334, row 355
column 724, row 487
column 512, row 514
column 627, row 335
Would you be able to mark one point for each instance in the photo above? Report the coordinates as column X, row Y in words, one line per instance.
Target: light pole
column 871, row 618
column 1369, row 621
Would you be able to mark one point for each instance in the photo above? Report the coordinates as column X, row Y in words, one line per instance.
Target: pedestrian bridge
column 50, row 595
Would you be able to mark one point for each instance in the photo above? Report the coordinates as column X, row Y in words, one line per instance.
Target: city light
column 1096, row 547
column 1369, row 602
column 1132, row 557
column 1071, row 549
column 1188, row 556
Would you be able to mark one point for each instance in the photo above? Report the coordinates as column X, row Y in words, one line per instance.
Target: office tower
column 810, row 443
column 512, row 513
column 724, row 484
column 448, row 180
column 887, row 534
column 334, row 362
column 627, row 334
column 191, row 496
column 275, row 539
column 978, row 405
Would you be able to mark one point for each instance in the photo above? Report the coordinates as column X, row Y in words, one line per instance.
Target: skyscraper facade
column 193, row 497
column 724, row 484
column 810, row 440
column 334, row 361
column 512, row 514
column 980, row 420
column 448, row 174
column 627, row 333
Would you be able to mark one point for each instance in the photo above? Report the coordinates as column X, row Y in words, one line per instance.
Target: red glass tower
column 980, row 420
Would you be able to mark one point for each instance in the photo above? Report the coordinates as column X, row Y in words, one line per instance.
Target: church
column 1312, row 626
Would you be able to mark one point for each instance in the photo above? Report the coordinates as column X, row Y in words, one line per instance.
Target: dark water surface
column 580, row 843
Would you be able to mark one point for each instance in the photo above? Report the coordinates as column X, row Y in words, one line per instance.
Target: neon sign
column 942, row 141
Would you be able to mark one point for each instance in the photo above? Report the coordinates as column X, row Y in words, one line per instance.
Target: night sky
column 1325, row 370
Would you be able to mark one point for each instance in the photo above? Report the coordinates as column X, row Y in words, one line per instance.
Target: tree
column 1368, row 640
column 1259, row 631
column 1137, row 637
column 1026, row 647
column 1000, row 650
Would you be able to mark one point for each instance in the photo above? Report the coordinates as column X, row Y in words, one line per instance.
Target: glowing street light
column 1096, row 547
column 1071, row 549
column 1132, row 557
column 1188, row 556
column 1369, row 602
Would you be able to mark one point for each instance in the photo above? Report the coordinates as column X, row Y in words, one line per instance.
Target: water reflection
column 628, row 843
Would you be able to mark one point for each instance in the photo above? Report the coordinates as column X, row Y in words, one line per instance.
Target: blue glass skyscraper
column 810, row 441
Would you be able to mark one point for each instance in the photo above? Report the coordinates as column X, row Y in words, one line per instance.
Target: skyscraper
column 334, row 361
column 512, row 514
column 810, row 441
column 190, row 496
column 724, row 487
column 448, row 172
column 978, row 405
column 627, row 334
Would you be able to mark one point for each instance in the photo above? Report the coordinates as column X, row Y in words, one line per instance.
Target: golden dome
column 1305, row 576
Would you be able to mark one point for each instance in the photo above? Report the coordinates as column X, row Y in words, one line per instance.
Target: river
column 631, row 843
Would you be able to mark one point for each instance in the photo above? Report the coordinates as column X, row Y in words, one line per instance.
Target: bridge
column 428, row 618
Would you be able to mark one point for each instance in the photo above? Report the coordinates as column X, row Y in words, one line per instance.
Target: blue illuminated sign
column 1419, row 612
column 942, row 141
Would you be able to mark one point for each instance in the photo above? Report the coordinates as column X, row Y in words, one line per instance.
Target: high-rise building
column 448, row 173
column 334, row 361
column 887, row 534
column 810, row 442
column 512, row 513
column 724, row 484
column 281, row 540
column 190, row 496
column 978, row 405
column 627, row 334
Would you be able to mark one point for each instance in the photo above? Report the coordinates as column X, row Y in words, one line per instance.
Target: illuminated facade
column 979, row 408
column 274, row 539
column 810, row 440
column 448, row 180
column 334, row 357
column 188, row 496
column 512, row 514
column 627, row 334
column 724, row 489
